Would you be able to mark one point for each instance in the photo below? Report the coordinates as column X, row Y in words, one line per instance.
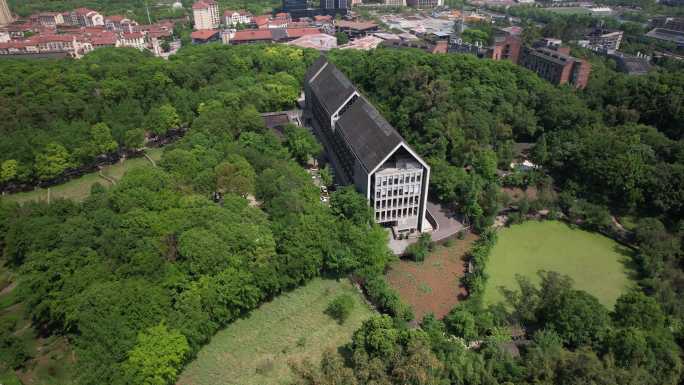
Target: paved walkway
column 447, row 225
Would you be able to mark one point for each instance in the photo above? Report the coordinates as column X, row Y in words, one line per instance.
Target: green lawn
column 293, row 327
column 79, row 189
column 595, row 263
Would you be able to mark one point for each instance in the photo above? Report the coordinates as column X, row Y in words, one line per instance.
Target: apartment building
column 366, row 150
column 205, row 13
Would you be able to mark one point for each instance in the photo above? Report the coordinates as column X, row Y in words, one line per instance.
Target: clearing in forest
column 79, row 188
column 597, row 264
column 257, row 349
column 432, row 286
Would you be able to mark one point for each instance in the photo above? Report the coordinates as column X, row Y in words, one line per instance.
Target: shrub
column 341, row 307
column 419, row 250
column 385, row 299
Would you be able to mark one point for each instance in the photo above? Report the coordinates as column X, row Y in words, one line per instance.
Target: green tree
column 301, row 143
column 161, row 119
column 9, row 170
column 52, row 162
column 157, row 356
column 235, row 176
column 102, row 138
column 341, row 307
column 134, row 138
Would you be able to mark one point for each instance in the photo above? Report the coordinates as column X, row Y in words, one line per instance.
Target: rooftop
column 203, row 34
column 329, row 84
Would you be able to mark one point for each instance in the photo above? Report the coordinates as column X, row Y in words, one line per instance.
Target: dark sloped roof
column 370, row 136
column 331, row 87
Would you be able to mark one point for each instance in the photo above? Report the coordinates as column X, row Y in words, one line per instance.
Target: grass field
column 596, row 263
column 293, row 327
column 569, row 10
column 79, row 188
column 432, row 286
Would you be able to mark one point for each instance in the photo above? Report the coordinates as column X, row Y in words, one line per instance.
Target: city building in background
column 366, row 150
column 604, row 40
column 556, row 65
column 5, row 14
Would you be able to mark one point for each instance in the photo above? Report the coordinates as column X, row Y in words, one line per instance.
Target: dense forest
column 184, row 265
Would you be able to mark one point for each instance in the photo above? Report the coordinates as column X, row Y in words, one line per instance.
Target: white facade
column 206, row 15
column 235, row 18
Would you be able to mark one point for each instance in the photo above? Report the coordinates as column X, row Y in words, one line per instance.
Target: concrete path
column 447, row 226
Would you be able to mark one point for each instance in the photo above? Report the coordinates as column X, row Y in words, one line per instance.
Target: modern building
column 335, row 7
column 556, row 66
column 604, row 40
column 366, row 150
column 296, row 7
column 425, row 3
column 205, row 13
column 5, row 14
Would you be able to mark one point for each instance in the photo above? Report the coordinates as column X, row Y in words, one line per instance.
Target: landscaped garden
column 294, row 327
column 596, row 263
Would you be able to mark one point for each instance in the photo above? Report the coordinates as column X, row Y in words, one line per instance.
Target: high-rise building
column 604, row 40
column 366, row 150
column 5, row 14
column 206, row 14
column 331, row 7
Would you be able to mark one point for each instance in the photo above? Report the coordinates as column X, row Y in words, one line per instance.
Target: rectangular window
column 377, row 216
column 405, row 211
column 396, row 180
column 377, row 194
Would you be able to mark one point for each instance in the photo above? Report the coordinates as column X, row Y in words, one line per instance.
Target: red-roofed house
column 251, row 36
column 206, row 14
column 323, row 19
column 106, row 39
column 204, row 36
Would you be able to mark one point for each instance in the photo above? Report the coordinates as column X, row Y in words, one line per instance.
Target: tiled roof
column 203, row 34
column 299, row 32
column 133, row 35
column 253, row 34
column 369, row 135
column 332, row 88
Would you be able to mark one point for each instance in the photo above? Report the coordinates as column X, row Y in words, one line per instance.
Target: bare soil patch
column 432, row 286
